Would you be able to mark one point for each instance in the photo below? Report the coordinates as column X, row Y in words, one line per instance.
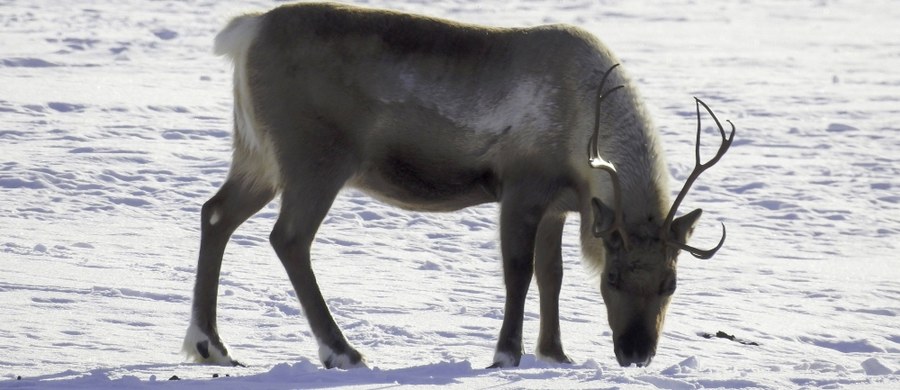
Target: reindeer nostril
column 635, row 347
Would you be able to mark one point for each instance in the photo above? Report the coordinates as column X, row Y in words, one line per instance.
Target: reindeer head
column 639, row 274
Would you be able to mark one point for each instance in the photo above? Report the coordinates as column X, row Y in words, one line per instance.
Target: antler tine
column 598, row 162
column 593, row 152
column 699, row 168
column 703, row 254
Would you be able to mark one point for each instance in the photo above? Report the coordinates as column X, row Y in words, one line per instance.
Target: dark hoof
column 505, row 360
column 203, row 349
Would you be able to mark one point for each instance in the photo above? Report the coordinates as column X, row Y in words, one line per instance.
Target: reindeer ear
column 604, row 217
column 683, row 226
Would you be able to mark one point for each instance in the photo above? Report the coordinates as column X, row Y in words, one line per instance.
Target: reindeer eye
column 612, row 277
column 668, row 287
column 613, row 242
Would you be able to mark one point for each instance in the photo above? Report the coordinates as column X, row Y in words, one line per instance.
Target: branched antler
column 698, row 169
column 598, row 162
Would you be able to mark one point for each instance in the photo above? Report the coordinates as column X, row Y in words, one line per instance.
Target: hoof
column 200, row 348
column 554, row 357
column 505, row 360
column 347, row 360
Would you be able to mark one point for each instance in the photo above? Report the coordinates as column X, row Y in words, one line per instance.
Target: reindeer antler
column 698, row 169
column 598, row 162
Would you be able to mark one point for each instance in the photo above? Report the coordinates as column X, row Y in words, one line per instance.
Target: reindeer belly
column 426, row 184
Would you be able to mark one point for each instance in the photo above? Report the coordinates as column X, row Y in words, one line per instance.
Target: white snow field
column 115, row 126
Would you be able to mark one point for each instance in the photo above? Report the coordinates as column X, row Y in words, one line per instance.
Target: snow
column 115, row 128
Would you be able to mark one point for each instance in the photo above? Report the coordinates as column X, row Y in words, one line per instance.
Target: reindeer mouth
column 627, row 361
column 636, row 346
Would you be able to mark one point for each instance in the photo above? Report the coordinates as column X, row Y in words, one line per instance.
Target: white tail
column 234, row 42
column 235, row 39
column 253, row 150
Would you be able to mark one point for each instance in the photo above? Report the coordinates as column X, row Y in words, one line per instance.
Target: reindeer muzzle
column 637, row 346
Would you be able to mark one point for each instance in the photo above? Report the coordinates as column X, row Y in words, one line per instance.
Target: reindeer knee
column 279, row 238
column 211, row 212
column 288, row 242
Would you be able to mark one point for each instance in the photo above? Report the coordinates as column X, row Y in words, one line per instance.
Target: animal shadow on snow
column 311, row 375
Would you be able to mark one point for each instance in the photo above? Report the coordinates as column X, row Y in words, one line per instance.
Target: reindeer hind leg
column 319, row 169
column 237, row 200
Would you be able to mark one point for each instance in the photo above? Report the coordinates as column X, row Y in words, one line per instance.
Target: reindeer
column 433, row 115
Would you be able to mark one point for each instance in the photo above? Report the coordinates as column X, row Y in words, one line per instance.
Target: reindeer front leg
column 548, row 270
column 521, row 210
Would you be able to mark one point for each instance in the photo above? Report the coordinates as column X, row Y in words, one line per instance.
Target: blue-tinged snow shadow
column 304, row 374
column 311, row 375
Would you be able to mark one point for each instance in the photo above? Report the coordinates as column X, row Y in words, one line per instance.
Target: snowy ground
column 115, row 128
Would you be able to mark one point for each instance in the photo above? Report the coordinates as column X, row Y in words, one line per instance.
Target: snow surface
column 115, row 128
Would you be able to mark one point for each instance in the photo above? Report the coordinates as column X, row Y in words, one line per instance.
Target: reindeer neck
column 633, row 146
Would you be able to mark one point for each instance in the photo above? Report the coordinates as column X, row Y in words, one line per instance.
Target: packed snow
column 115, row 128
